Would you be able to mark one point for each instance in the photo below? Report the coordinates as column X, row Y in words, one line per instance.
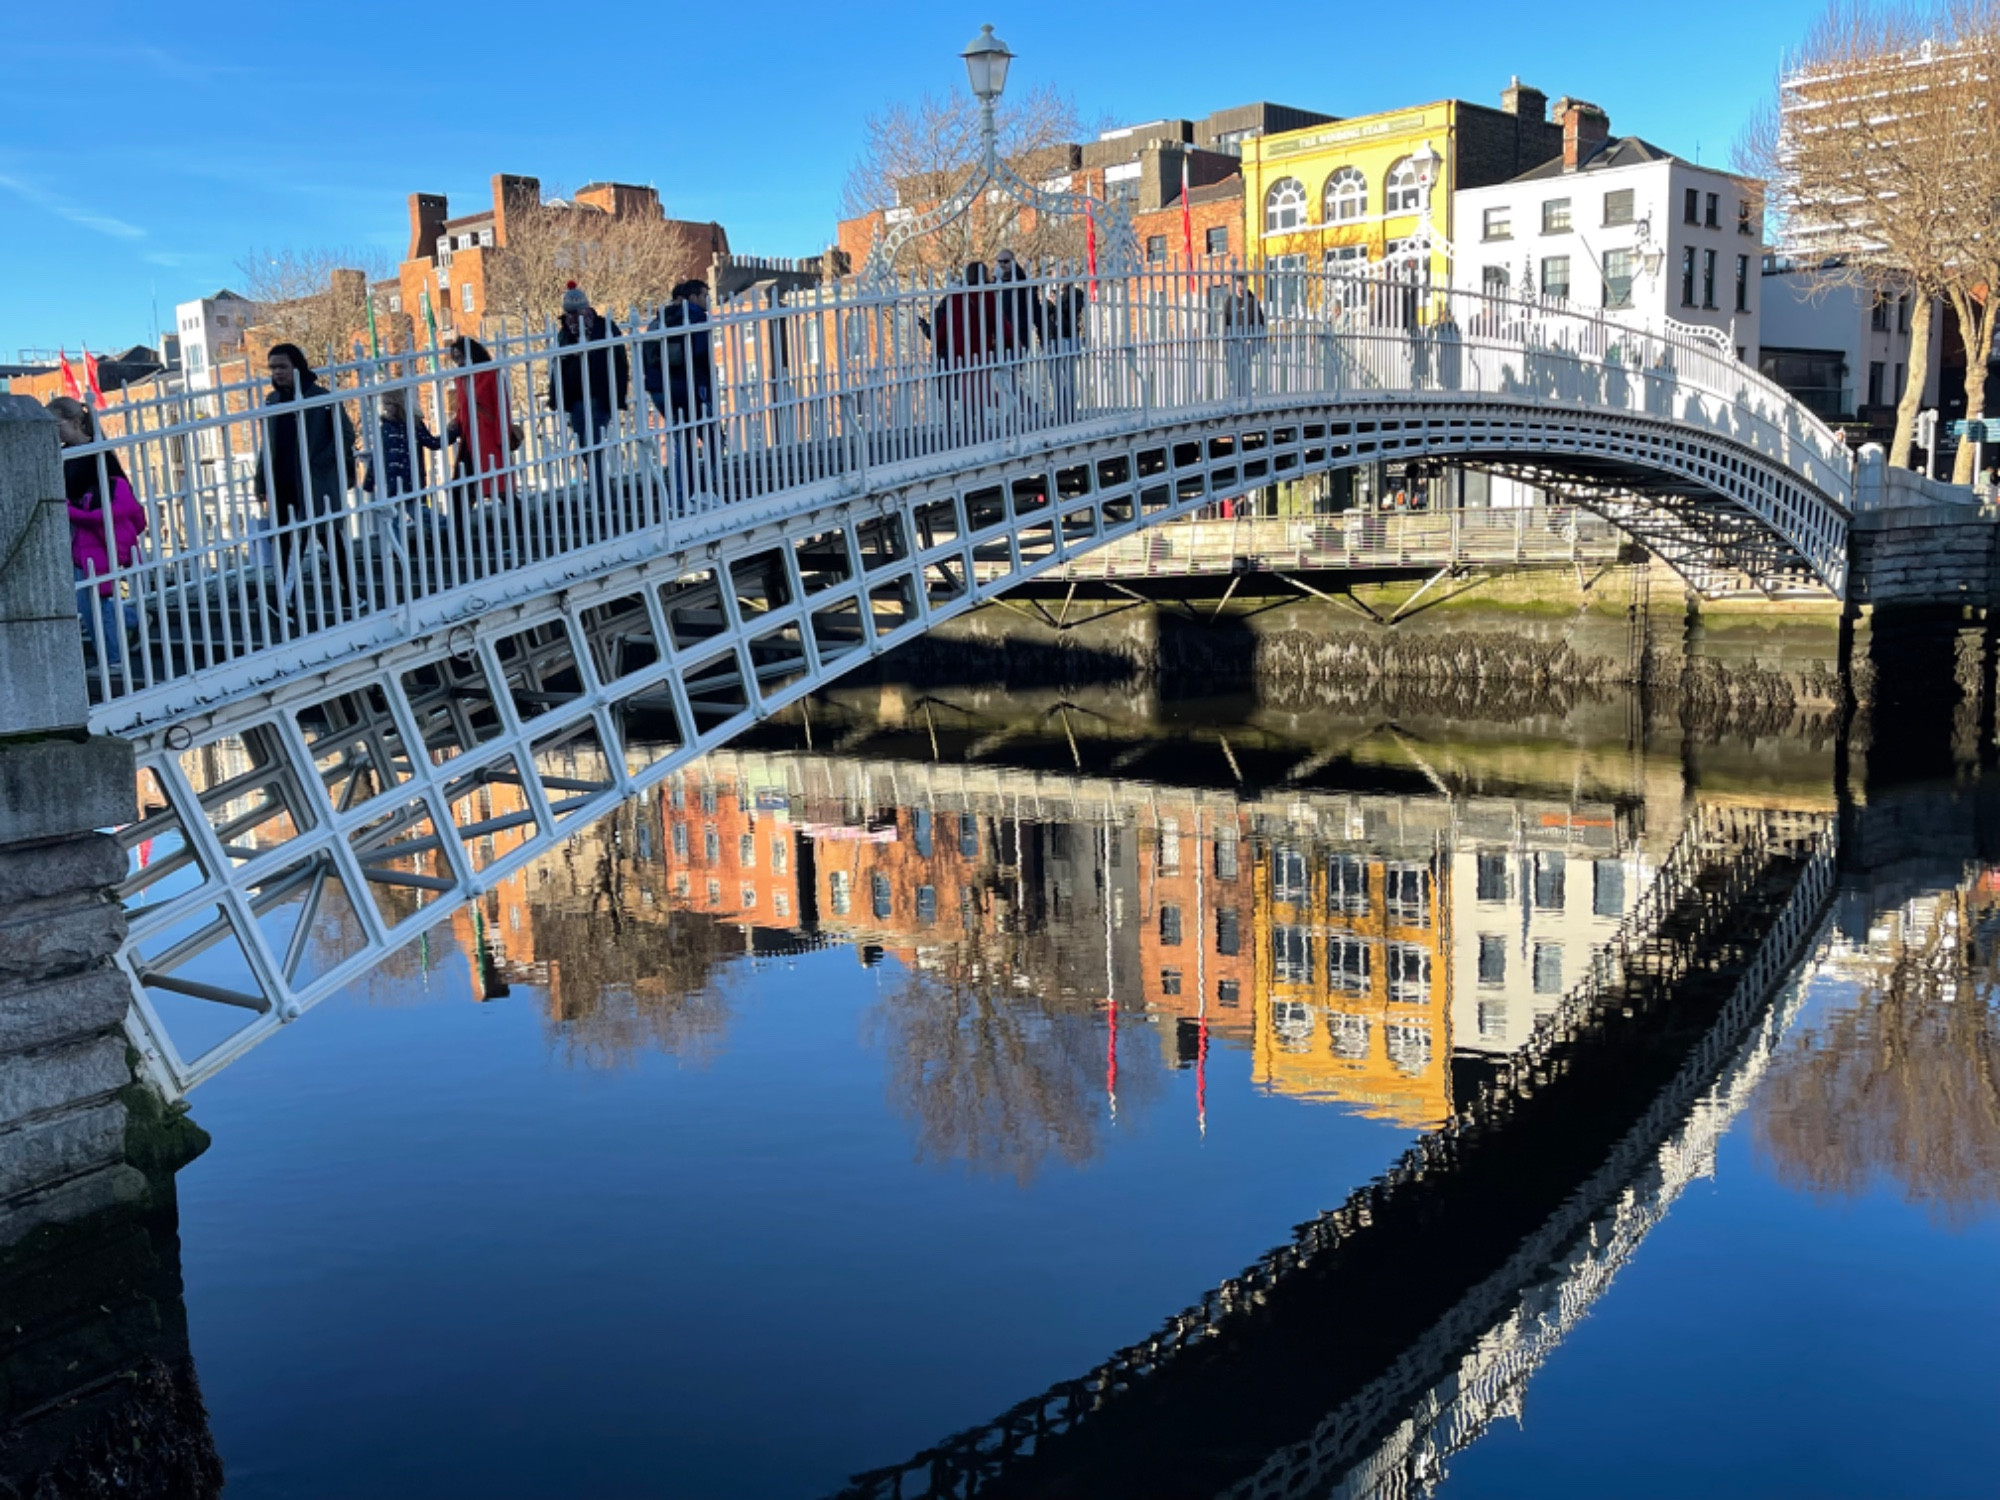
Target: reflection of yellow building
column 1336, row 195
column 1354, row 980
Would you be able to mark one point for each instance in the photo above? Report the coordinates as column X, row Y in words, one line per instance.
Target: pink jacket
column 87, row 550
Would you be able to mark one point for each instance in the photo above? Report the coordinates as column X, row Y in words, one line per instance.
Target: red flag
column 1187, row 214
column 90, row 375
column 1090, row 242
column 70, row 388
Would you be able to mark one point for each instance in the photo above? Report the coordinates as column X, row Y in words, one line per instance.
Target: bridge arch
column 401, row 762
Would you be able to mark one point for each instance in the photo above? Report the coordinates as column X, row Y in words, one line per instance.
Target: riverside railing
column 280, row 534
column 1517, row 536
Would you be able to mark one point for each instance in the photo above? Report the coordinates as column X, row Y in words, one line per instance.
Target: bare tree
column 1875, row 149
column 317, row 299
column 622, row 261
column 914, row 156
column 1971, row 69
column 1905, row 1082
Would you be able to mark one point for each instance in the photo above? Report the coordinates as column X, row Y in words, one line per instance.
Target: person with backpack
column 589, row 385
column 679, row 372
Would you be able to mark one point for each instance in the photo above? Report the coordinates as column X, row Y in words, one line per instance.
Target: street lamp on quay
column 986, row 60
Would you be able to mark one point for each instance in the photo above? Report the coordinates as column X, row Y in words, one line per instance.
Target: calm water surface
column 826, row 1105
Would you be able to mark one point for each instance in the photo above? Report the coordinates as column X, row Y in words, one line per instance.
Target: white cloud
column 66, row 208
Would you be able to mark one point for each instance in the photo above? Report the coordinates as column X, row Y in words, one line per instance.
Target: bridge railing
column 1515, row 536
column 280, row 534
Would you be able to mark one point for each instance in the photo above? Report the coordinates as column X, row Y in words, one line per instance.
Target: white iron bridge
column 355, row 709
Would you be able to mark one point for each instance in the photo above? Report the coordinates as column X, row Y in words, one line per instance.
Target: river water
column 1103, row 1096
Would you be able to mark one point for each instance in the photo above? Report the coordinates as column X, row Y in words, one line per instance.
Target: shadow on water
column 100, row 1394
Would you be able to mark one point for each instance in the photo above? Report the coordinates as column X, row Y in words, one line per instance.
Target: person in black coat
column 679, row 373
column 306, row 465
column 589, row 385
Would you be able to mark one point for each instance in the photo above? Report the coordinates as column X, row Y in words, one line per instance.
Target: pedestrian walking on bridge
column 303, row 473
column 590, row 385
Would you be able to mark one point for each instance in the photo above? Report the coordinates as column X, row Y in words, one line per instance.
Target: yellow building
column 1334, row 196
column 1354, row 981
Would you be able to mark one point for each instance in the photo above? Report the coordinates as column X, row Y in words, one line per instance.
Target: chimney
column 511, row 194
column 1527, row 103
column 428, row 212
column 1585, row 130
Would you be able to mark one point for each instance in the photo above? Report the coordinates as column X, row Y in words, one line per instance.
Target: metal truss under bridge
column 355, row 710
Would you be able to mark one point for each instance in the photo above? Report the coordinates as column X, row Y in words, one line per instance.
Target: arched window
column 1285, row 205
column 1399, row 189
column 1346, row 195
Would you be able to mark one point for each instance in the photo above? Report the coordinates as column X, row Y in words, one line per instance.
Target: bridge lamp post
column 986, row 59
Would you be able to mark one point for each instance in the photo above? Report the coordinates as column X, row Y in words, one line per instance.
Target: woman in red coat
column 483, row 434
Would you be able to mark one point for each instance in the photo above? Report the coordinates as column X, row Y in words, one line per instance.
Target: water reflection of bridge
column 1388, row 1331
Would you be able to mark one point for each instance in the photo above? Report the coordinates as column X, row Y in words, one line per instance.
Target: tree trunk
column 1913, row 379
column 1978, row 350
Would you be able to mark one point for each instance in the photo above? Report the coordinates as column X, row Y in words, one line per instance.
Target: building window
column 1225, row 857
column 1170, row 927
column 465, row 296
column 1903, row 313
column 926, row 905
column 1897, row 386
column 1228, row 932
column 1349, row 1035
column 1549, row 870
column 1170, row 846
column 711, row 847
column 1687, row 277
column 780, row 854
column 1877, row 373
column 1124, row 192
column 1346, row 884
column 1491, row 879
column 681, row 887
column 1170, row 981
column 1408, row 888
column 749, row 900
column 708, row 798
column 1713, row 217
column 1548, row 968
column 1292, row 1025
column 1285, row 206
column 1743, row 283
column 1401, row 191
column 840, row 891
column 1347, row 965
column 1708, row 278
column 1555, row 216
column 1607, row 889
column 1691, row 206
column 881, row 896
column 1228, row 992
column 1618, row 207
column 746, row 851
column 1497, row 224
column 1620, row 269
column 714, row 893
column 1288, row 875
column 1743, row 224
column 1346, row 195
column 680, row 841
column 968, row 836
column 395, row 302
column 920, row 834
column 1409, row 974
column 1878, row 315
column 1156, row 247
column 781, row 904
column 1291, row 954
column 1493, row 281
column 1216, row 241
column 1492, row 959
column 1555, row 278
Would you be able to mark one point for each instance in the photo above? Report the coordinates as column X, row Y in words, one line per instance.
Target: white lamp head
column 986, row 59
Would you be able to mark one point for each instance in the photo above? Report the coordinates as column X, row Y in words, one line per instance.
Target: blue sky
column 147, row 149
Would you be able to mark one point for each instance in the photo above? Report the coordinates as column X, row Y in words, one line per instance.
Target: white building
column 1619, row 225
column 1842, row 350
column 209, row 328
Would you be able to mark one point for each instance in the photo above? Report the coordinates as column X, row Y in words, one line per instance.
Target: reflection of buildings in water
column 1530, row 913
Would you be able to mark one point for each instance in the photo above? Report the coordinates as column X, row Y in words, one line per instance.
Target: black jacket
column 685, row 361
column 328, row 434
column 397, row 462
column 609, row 370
